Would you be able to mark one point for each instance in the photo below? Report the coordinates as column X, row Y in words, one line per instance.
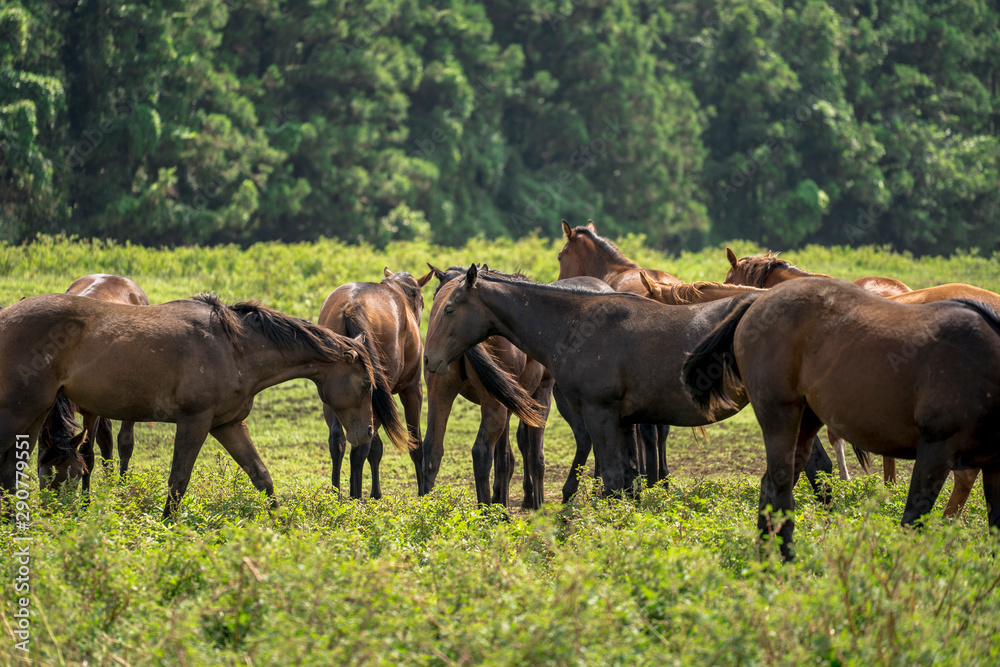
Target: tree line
column 784, row 122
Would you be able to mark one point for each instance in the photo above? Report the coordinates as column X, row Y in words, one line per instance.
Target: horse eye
column 449, row 310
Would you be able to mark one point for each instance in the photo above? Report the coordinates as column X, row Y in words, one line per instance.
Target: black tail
column 984, row 310
column 505, row 388
column 383, row 405
column 864, row 458
column 711, row 367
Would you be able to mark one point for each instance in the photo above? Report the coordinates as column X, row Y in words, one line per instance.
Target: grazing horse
column 196, row 362
column 387, row 317
column 113, row 289
column 59, row 457
column 817, row 351
column 766, row 271
column 628, row 374
column 462, row 378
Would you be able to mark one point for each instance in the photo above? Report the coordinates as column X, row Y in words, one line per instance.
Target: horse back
column 111, row 288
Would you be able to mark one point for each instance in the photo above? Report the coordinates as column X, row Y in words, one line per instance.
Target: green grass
column 676, row 577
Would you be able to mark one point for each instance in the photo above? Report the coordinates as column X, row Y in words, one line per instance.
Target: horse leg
column 374, row 459
column 126, row 443
column 356, row 476
column 188, row 440
column 964, row 479
column 534, row 449
column 788, row 430
column 889, row 470
column 494, row 417
column 991, row 489
column 610, row 446
column 819, row 461
column 930, row 471
column 648, row 436
column 235, row 437
column 662, row 431
column 503, row 465
column 412, row 398
column 583, row 444
column 839, row 445
column 337, row 442
column 440, row 398
column 94, row 431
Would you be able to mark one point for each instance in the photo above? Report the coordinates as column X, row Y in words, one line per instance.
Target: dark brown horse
column 493, row 434
column 628, row 374
column 113, row 289
column 387, row 317
column 587, row 254
column 197, row 363
column 768, row 270
column 816, row 351
column 59, row 457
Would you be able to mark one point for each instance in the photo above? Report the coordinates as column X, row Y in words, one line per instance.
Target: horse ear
column 591, row 226
column 647, row 282
column 731, row 256
column 426, row 278
column 386, row 272
column 438, row 273
column 470, row 277
column 484, row 267
column 567, row 231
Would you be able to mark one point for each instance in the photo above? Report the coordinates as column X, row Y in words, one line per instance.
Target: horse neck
column 529, row 315
column 268, row 364
column 781, row 274
column 602, row 265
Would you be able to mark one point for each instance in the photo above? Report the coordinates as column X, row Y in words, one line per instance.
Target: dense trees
column 173, row 122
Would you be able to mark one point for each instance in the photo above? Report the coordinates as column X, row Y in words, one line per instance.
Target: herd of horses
column 624, row 352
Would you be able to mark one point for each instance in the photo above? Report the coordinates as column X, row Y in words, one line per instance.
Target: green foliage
column 791, row 122
column 675, row 577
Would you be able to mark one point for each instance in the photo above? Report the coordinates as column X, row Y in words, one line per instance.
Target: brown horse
column 587, row 254
column 628, row 374
column 197, row 363
column 818, row 351
column 768, row 270
column 682, row 294
column 387, row 317
column 113, row 289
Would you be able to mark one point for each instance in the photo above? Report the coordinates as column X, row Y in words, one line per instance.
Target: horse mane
column 496, row 277
column 282, row 330
column 689, row 292
column 406, row 282
column 61, row 425
column 609, row 248
column 757, row 268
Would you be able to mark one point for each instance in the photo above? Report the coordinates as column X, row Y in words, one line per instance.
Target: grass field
column 673, row 578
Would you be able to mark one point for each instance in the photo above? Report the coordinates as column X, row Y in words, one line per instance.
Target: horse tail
column 502, row 386
column 864, row 459
column 984, row 310
column 383, row 405
column 711, row 366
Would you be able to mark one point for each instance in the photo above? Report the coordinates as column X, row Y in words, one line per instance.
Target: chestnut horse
column 628, row 374
column 113, row 289
column 682, row 294
column 767, row 270
column 387, row 317
column 587, row 254
column 818, row 351
column 197, row 363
